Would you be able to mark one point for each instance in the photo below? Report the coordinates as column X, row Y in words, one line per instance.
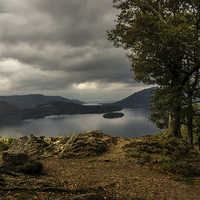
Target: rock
column 30, row 144
column 90, row 196
column 92, row 143
column 15, row 158
column 84, row 144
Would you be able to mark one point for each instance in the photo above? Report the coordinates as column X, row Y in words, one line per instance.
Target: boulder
column 15, row 158
column 28, row 144
column 84, row 144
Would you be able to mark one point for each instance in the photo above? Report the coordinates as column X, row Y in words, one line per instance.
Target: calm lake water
column 133, row 125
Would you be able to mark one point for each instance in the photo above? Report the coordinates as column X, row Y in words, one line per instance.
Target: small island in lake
column 113, row 115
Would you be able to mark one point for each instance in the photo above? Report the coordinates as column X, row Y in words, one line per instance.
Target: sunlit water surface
column 133, row 125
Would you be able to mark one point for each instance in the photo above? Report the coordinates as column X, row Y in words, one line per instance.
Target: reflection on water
column 134, row 124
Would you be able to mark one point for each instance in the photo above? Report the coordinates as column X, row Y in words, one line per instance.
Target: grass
column 187, row 180
column 168, row 155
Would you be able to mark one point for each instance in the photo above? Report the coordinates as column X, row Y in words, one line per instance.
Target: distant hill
column 69, row 108
column 9, row 113
column 16, row 108
column 6, row 107
column 139, row 99
column 32, row 100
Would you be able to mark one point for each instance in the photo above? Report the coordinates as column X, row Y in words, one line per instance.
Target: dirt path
column 119, row 177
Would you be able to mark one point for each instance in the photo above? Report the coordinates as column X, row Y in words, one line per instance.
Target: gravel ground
column 121, row 178
column 111, row 175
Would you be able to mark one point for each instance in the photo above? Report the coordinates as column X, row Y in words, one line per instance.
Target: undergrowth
column 168, row 155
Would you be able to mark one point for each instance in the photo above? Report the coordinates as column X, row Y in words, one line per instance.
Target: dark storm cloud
column 75, row 23
column 51, row 46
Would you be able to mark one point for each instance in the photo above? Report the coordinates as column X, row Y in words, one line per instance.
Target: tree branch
column 157, row 12
column 187, row 76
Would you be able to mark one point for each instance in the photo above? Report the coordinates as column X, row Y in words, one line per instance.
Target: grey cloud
column 75, row 23
column 52, row 46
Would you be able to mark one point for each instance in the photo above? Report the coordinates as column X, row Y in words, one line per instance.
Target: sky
column 60, row 47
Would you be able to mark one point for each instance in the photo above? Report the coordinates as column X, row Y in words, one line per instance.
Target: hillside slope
column 139, row 99
column 67, row 108
column 9, row 113
column 32, row 100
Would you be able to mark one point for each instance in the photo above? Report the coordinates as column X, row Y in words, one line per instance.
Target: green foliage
column 196, row 126
column 3, row 146
column 6, row 140
column 187, row 180
column 10, row 140
column 155, row 36
column 160, row 133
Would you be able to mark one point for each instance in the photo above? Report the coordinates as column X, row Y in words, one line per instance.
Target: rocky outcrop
column 92, row 143
column 84, row 144
column 23, row 154
column 30, row 145
column 18, row 156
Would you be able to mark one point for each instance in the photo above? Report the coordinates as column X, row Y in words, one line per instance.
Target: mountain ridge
column 140, row 99
column 32, row 100
column 66, row 108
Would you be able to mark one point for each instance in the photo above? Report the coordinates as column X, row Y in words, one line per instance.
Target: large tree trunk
column 174, row 123
column 190, row 132
column 190, row 118
column 173, row 129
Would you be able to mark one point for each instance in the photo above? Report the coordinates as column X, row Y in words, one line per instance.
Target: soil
column 111, row 175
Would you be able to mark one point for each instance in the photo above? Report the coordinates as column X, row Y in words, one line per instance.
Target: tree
column 191, row 91
column 163, row 38
column 195, row 125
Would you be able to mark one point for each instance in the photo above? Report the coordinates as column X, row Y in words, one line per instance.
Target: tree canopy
column 163, row 41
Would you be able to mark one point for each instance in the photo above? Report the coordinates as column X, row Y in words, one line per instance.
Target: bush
column 3, row 146
column 159, row 133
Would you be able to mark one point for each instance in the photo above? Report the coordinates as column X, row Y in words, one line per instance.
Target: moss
column 159, row 159
column 187, row 180
column 6, row 140
column 171, row 154
column 3, row 146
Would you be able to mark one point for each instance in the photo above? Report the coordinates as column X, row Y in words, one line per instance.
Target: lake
column 133, row 125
